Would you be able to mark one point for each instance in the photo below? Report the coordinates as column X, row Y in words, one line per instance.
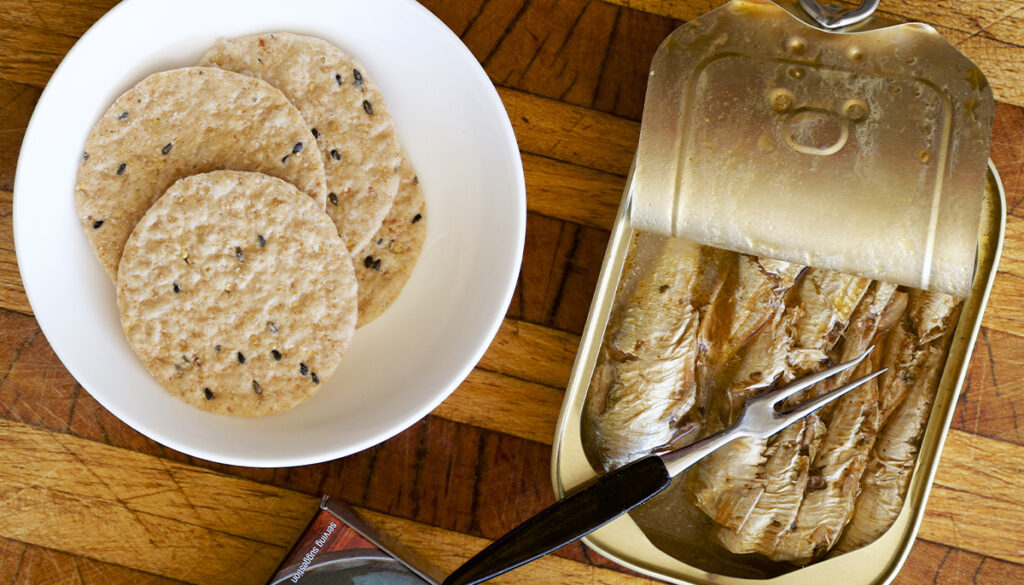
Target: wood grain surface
column 86, row 499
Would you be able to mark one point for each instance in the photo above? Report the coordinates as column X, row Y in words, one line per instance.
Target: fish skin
column 755, row 305
column 762, row 284
column 930, row 314
column 768, row 497
column 644, row 385
column 786, row 464
column 711, row 288
column 827, row 503
column 752, row 369
column 839, row 463
column 883, row 487
column 928, row 317
column 829, row 299
column 645, row 379
column 761, row 363
column 884, row 483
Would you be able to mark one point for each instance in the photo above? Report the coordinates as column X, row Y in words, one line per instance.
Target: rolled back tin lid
column 862, row 151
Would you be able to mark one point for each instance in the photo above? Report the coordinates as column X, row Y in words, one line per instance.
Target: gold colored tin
column 859, row 152
column 624, row 542
column 700, row 171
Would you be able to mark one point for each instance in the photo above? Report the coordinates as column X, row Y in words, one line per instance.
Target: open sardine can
column 834, row 140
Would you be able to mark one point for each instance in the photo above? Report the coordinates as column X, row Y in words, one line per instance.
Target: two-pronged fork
column 631, row 485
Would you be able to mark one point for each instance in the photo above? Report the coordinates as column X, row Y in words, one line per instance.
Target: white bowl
column 399, row 367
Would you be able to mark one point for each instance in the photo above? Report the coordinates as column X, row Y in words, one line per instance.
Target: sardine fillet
column 645, row 379
column 736, row 464
column 735, row 319
column 884, row 484
column 929, row 316
column 832, row 488
column 852, row 424
column 646, row 400
column 767, row 499
column 785, row 466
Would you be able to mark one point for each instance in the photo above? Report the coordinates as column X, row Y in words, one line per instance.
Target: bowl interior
column 399, row 367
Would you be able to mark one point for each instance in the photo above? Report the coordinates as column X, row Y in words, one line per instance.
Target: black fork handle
column 567, row 520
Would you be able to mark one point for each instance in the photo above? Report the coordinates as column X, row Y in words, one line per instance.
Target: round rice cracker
column 237, row 294
column 388, row 260
column 183, row 122
column 354, row 130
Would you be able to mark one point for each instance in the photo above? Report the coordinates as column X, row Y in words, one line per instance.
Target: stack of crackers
column 253, row 212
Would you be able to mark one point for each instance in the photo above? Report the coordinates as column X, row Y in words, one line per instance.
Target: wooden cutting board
column 85, row 499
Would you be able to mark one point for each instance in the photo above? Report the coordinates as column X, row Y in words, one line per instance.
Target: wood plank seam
column 379, row 517
column 227, row 483
column 956, row 438
column 78, row 573
column 981, row 29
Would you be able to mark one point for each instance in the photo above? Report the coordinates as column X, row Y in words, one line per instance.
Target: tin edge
column 611, row 270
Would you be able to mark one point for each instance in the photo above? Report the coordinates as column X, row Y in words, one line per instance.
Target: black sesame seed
column 357, row 76
column 380, row 241
column 415, row 179
column 97, row 224
column 260, row 240
column 284, row 159
column 376, row 265
column 368, row 107
column 333, row 198
column 272, row 327
column 337, row 77
column 303, row 368
column 167, row 148
column 335, row 154
column 120, row 169
column 276, row 354
column 241, row 358
column 314, row 378
column 417, row 217
column 184, row 358
column 298, row 147
column 256, row 387
column 315, row 133
column 216, row 347
column 175, row 287
column 368, row 262
column 208, row 393
column 239, row 254
column 85, row 156
column 123, row 116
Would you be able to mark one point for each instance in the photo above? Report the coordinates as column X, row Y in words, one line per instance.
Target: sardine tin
column 878, row 563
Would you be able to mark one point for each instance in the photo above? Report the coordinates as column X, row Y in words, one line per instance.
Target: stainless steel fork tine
column 760, row 419
column 785, row 418
column 780, row 394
